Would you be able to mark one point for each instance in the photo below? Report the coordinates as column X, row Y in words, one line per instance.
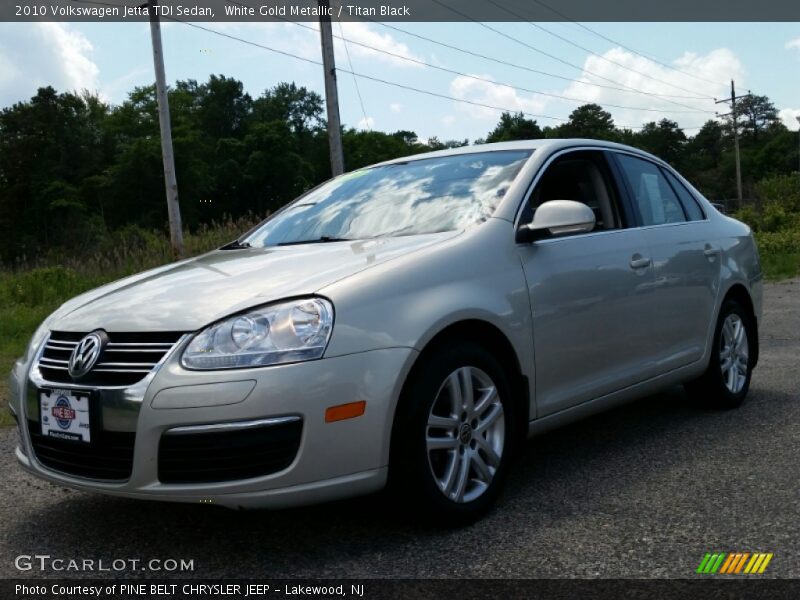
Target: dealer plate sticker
column 65, row 415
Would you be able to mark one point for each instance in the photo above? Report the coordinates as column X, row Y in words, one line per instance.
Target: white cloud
column 793, row 45
column 501, row 96
column 303, row 39
column 366, row 123
column 448, row 120
column 713, row 72
column 287, row 37
column 362, row 33
column 396, row 107
column 33, row 55
column 789, row 117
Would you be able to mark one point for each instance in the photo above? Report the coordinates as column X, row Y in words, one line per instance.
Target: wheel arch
column 494, row 340
column 740, row 294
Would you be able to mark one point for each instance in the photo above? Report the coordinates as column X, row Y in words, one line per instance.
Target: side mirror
column 557, row 217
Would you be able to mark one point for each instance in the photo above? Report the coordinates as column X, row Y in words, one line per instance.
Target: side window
column 583, row 177
column 653, row 196
column 690, row 205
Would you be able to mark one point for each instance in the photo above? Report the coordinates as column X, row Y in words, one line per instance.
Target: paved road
column 643, row 491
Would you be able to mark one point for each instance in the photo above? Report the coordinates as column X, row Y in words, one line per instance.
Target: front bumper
column 334, row 460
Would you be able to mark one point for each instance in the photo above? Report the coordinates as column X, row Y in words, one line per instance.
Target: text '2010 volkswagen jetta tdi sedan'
column 408, row 323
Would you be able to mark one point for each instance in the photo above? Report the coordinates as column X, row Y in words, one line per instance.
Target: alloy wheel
column 734, row 353
column 465, row 434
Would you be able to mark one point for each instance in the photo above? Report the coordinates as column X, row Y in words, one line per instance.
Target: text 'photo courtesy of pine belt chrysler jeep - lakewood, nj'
column 404, row 326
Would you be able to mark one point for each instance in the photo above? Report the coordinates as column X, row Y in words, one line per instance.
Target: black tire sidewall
column 714, row 384
column 409, row 468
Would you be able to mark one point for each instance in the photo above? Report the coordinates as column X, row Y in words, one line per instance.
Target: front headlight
column 279, row 333
column 38, row 336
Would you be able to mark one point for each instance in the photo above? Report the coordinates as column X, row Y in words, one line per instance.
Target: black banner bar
column 709, row 588
column 405, row 10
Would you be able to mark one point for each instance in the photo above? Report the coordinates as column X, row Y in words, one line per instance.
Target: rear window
column 655, row 200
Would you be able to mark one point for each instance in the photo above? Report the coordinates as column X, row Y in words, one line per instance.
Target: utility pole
column 734, row 117
column 331, row 91
column 170, row 181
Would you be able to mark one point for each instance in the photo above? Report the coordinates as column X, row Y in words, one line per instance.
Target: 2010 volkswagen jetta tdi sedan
column 406, row 323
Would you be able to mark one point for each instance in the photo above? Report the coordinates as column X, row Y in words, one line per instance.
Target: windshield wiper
column 236, row 245
column 320, row 240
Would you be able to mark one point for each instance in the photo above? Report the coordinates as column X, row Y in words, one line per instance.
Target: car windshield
column 419, row 196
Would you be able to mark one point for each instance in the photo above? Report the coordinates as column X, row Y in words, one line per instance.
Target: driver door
column 591, row 294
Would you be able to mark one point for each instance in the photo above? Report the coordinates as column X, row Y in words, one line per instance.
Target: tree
column 514, row 127
column 74, row 171
column 588, row 121
column 223, row 107
column 707, row 146
column 665, row 139
column 48, row 147
column 756, row 114
column 434, row 143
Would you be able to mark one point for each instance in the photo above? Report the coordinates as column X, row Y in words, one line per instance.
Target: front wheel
column 727, row 379
column 452, row 438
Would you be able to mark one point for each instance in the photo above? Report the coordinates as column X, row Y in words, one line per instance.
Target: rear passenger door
column 686, row 259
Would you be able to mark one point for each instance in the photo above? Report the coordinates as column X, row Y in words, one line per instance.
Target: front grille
column 126, row 359
column 109, row 456
column 215, row 456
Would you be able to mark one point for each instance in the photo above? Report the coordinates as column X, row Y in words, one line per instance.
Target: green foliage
column 588, row 121
column 28, row 296
column 74, row 171
column 783, row 190
column 514, row 127
column 665, row 139
column 780, row 266
column 776, row 223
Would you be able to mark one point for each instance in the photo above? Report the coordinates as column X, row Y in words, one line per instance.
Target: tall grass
column 38, row 285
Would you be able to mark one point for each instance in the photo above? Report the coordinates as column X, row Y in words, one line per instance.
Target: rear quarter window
column 689, row 202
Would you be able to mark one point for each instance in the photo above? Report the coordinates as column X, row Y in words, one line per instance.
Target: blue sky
column 112, row 58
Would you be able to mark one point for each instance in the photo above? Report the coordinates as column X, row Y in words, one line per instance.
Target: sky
column 680, row 67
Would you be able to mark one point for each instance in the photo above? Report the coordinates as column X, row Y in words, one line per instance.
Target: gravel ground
column 641, row 491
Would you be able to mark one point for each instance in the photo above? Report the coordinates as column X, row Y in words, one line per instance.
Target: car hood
column 187, row 295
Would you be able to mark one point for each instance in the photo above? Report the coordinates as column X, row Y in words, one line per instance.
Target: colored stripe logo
column 734, row 563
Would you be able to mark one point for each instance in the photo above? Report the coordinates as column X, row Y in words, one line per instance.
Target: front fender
column 406, row 302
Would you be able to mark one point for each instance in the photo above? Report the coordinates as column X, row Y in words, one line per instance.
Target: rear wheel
column 727, row 379
column 452, row 437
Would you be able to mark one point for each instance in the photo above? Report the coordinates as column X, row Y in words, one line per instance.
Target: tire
column 727, row 378
column 448, row 464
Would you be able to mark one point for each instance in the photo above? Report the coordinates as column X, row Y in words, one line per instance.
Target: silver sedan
column 406, row 324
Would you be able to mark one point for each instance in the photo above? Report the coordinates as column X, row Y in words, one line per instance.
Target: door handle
column 710, row 251
column 640, row 262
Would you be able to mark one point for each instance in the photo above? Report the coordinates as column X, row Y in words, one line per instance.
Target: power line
column 600, row 56
column 493, row 82
column 552, row 56
column 518, row 66
column 355, row 79
column 628, row 48
column 387, row 82
column 370, row 77
column 364, row 76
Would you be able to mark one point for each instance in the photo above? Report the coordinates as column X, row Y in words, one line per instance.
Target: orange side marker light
column 351, row 410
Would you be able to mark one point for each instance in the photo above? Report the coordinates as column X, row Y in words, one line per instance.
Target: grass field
column 28, row 295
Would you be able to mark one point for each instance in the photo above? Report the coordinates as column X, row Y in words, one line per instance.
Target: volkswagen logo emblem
column 86, row 353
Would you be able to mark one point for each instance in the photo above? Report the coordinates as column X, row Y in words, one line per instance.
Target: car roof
column 548, row 145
